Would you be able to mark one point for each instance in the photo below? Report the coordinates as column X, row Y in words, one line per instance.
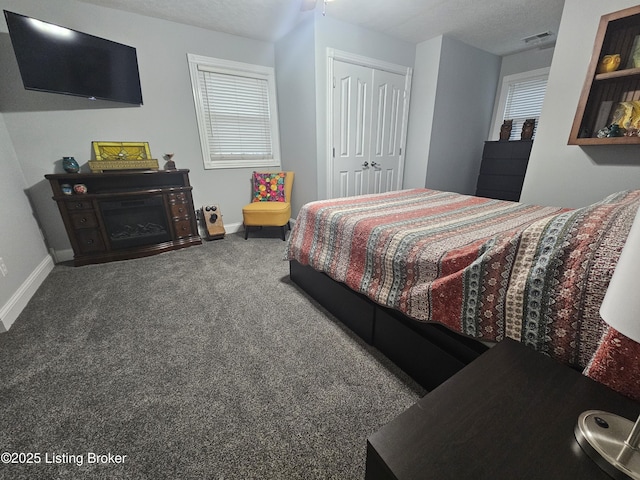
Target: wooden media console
column 126, row 215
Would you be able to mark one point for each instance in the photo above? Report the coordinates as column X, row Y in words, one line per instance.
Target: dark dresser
column 503, row 167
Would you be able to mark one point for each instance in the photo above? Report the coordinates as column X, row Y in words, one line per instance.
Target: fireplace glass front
column 133, row 223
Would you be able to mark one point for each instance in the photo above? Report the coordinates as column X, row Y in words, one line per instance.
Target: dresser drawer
column 504, row 166
column 79, row 205
column 89, row 240
column 84, row 220
column 183, row 228
column 509, row 183
column 179, row 210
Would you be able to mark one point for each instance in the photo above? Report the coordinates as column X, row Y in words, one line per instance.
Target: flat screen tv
column 56, row 59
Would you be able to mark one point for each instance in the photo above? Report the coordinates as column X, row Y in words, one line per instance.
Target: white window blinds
column 237, row 119
column 524, row 100
column 236, row 111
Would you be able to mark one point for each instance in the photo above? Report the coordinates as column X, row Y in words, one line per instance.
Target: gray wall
column 296, row 80
column 572, row 176
column 21, row 244
column 462, row 117
column 524, row 61
column 44, row 127
column 452, row 103
column 423, row 100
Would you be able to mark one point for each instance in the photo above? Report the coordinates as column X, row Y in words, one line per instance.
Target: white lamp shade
column 621, row 305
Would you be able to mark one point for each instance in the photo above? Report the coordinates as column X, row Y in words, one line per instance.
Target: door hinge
column 400, row 151
column 334, row 152
column 334, row 82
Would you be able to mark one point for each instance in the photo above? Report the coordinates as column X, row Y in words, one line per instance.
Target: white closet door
column 367, row 129
column 351, row 129
column 386, row 131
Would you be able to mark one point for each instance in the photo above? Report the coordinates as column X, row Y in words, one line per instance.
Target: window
column 521, row 98
column 236, row 112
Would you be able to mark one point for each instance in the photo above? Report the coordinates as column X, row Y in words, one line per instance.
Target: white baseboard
column 239, row 227
column 10, row 311
column 234, row 227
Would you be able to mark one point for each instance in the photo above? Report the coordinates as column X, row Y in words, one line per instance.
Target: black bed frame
column 429, row 353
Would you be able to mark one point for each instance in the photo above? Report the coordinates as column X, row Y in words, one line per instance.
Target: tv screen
column 56, row 59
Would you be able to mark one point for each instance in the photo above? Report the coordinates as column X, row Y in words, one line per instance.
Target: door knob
column 365, row 164
column 374, row 164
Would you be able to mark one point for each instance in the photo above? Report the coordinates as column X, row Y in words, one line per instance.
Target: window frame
column 228, row 67
column 507, row 81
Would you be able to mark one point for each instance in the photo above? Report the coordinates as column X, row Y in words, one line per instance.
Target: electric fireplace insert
column 132, row 223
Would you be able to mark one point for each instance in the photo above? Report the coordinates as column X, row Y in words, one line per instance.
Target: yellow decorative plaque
column 122, row 156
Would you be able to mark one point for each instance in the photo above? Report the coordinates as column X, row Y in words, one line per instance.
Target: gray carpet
column 201, row 363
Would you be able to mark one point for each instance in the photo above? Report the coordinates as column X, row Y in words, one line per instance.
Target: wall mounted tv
column 56, row 59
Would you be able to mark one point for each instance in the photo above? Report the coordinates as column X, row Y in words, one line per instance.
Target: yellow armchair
column 270, row 214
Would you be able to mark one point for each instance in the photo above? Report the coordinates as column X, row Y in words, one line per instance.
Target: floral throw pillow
column 268, row 187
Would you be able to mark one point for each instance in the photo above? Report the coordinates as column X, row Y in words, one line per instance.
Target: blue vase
column 70, row 165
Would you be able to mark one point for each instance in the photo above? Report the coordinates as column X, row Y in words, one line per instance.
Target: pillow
column 268, row 187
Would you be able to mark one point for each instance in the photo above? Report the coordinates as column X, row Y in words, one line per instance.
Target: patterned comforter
column 485, row 268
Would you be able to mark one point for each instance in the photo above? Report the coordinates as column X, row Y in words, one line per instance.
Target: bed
column 431, row 278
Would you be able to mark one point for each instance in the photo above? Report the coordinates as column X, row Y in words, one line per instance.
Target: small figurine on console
column 70, row 165
column 80, row 188
column 170, row 165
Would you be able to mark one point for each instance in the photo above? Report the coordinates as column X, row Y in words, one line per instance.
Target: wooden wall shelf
column 617, row 33
column 627, row 72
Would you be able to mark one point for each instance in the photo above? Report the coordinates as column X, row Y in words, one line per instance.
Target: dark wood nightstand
column 510, row 414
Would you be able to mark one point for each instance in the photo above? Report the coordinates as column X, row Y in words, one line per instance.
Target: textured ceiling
column 497, row 26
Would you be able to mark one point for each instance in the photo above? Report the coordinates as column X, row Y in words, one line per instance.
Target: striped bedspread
column 485, row 268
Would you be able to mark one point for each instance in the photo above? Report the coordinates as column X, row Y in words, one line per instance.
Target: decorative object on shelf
column 603, row 132
column 610, row 440
column 505, row 130
column 122, row 156
column 70, row 165
column 609, row 63
column 66, row 188
column 80, row 188
column 603, row 119
column 615, row 130
column 527, row 129
column 170, row 165
column 626, row 114
column 634, row 54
